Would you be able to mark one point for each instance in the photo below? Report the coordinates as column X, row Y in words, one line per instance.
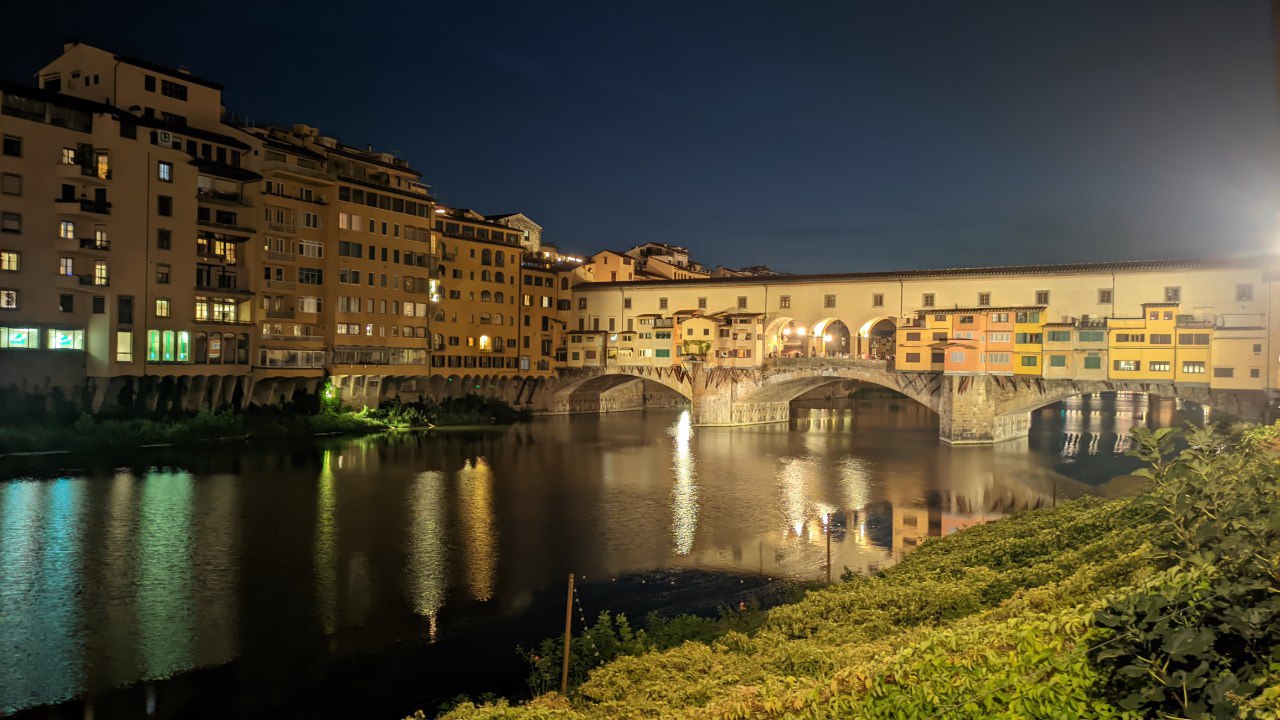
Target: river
column 371, row 576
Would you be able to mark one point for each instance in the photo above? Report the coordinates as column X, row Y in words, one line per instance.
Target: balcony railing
column 225, row 195
column 93, row 280
column 94, row 244
column 283, row 314
column 276, row 166
column 96, row 207
column 283, row 227
column 222, row 321
column 281, row 256
column 282, row 285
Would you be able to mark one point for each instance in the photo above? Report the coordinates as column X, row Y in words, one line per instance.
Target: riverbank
column 1160, row 605
column 89, row 433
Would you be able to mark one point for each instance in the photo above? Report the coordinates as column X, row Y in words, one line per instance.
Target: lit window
column 162, row 307
column 67, row 229
column 10, row 261
column 19, row 338
column 124, row 346
column 65, row 340
column 8, row 299
column 164, row 171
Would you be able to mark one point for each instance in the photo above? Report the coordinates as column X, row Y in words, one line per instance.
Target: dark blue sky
column 809, row 136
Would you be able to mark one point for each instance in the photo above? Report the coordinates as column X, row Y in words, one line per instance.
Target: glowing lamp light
column 800, row 330
column 440, row 210
column 786, row 331
column 827, row 337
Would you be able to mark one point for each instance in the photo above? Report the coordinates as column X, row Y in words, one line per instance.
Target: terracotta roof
column 1161, row 304
column 979, row 310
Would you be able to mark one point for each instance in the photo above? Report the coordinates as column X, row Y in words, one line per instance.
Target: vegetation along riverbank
column 87, row 432
column 1162, row 605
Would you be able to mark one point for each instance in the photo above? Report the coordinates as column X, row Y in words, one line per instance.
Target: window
column 829, row 301
column 124, row 310
column 998, row 358
column 626, row 303
column 164, row 239
column 582, row 303
column 926, row 300
column 913, row 337
column 311, row 248
column 64, row 339
column 149, row 83
column 984, row 299
column 1130, row 338
column 164, row 206
column 164, row 171
column 995, row 337
column 1030, row 360
column 1257, row 348
column 1159, row 366
column 1127, row 365
column 10, row 184
column 1059, row 336
column 162, row 273
column 957, row 357
column 172, row 89
column 124, row 346
column 311, row 276
column 784, row 302
column 662, row 303
column 162, row 307
column 913, row 357
column 1092, row 336
column 662, row 353
column 1161, row 339
column 1244, row 292
column 10, row 222
column 312, row 220
column 1104, row 296
column 1255, row 372
column 1173, row 294
column 10, row 260
column 742, row 302
column 1193, row 338
column 1224, row 372
column 937, row 357
column 1093, row 362
column 1028, row 338
column 1057, row 361
column 877, row 300
column 12, row 146
column 1193, row 367
column 100, row 273
column 67, row 230
column 19, row 338
column 66, row 303
column 99, row 305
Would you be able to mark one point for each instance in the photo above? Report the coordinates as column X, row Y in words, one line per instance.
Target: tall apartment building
column 130, row 231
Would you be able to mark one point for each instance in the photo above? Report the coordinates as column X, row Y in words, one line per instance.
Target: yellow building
column 1238, row 360
column 921, row 343
column 1028, row 340
column 587, row 349
column 1142, row 348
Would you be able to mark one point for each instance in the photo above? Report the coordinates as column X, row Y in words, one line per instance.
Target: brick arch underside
column 595, row 386
column 1038, row 395
column 786, row 389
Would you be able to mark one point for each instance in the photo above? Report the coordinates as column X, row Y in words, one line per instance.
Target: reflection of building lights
column 427, row 552
column 326, row 554
column 684, row 496
column 476, row 526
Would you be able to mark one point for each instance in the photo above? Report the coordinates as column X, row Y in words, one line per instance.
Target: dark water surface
column 368, row 577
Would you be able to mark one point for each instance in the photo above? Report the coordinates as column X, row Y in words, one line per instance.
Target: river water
column 367, row 577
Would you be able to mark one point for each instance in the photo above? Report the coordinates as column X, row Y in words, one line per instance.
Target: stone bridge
column 970, row 408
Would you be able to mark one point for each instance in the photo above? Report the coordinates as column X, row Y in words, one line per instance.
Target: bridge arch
column 783, row 387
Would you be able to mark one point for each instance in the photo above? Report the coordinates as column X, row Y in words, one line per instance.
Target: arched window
column 498, row 277
column 485, row 318
column 201, row 348
column 485, row 275
column 229, row 348
column 497, row 318
column 498, row 297
column 437, row 341
column 486, row 296
column 564, row 283
column 439, row 315
column 184, row 346
column 442, row 271
column 485, row 344
column 166, row 345
column 499, row 259
column 242, row 348
column 453, row 317
column 486, row 257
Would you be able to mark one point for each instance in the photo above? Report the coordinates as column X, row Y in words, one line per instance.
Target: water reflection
column 684, row 494
column 427, row 561
column 311, row 557
column 476, row 527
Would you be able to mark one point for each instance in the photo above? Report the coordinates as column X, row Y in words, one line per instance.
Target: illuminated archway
column 877, row 338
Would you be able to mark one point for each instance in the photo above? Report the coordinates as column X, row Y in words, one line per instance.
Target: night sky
column 803, row 135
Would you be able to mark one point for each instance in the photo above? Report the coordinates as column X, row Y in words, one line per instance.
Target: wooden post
column 568, row 629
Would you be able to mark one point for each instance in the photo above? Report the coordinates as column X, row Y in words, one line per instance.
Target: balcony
column 282, row 314
column 93, row 281
column 221, row 283
column 222, row 321
column 224, row 197
column 95, row 244
column 85, row 174
column 291, row 338
column 282, row 285
column 278, row 256
column 289, row 228
column 1190, row 321
column 297, row 170
column 206, row 254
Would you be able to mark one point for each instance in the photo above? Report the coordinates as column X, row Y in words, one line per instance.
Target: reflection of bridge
column 971, row 408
